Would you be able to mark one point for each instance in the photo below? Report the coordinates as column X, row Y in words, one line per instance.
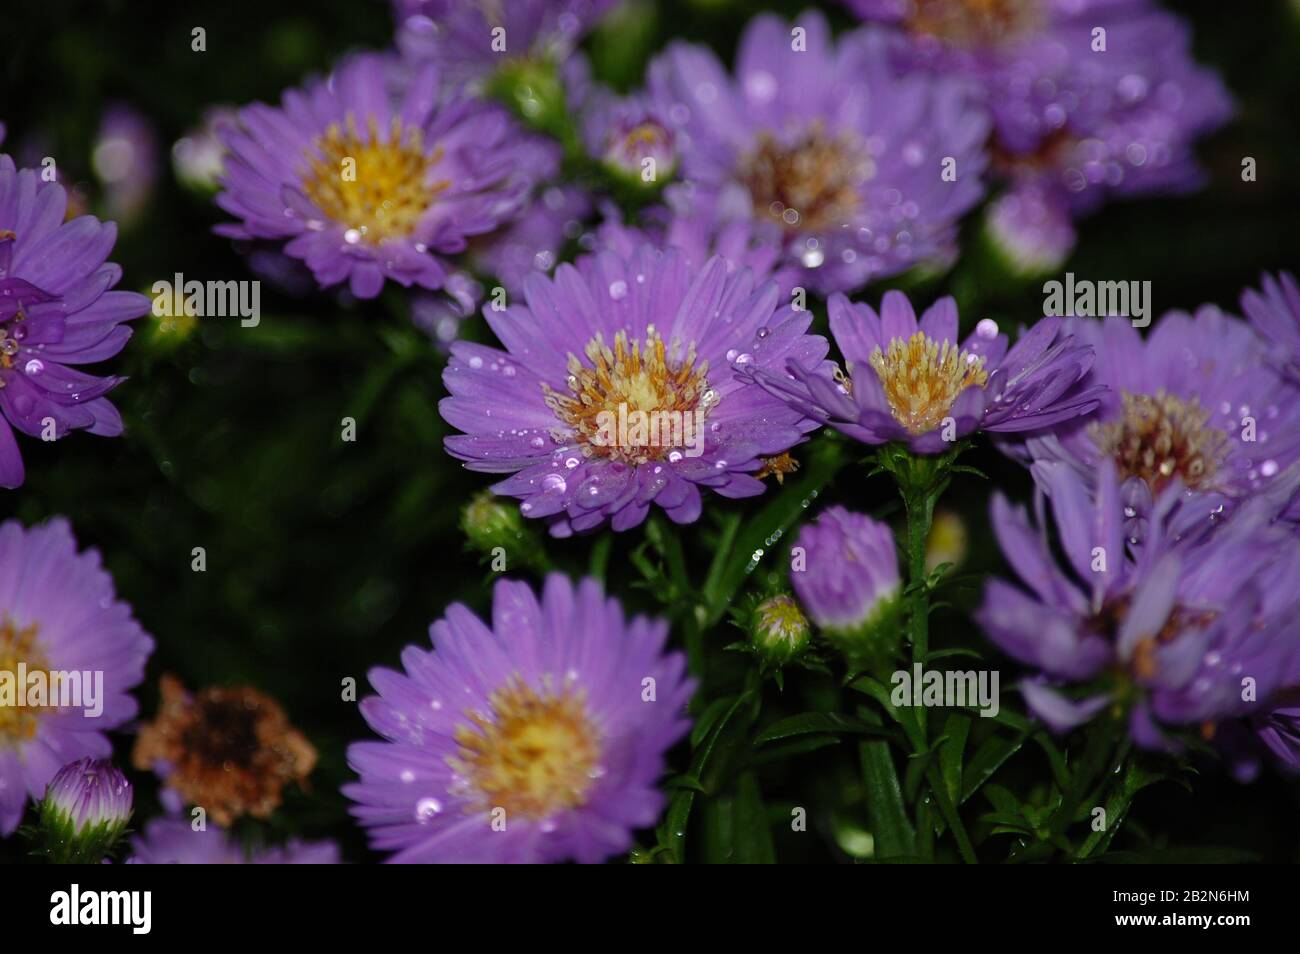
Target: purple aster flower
column 864, row 171
column 540, row 738
column 618, row 389
column 1184, row 629
column 1195, row 401
column 59, row 618
column 171, row 841
column 475, row 37
column 56, row 312
column 377, row 173
column 1274, row 311
column 845, row 570
column 911, row 381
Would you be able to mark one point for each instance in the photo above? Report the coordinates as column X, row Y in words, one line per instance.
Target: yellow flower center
column 973, row 22
column 18, row 645
column 1159, row 437
column 534, row 755
column 922, row 379
column 378, row 188
column 634, row 402
column 810, row 184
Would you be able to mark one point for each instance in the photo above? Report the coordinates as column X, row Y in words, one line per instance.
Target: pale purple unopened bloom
column 126, row 160
column 538, row 737
column 619, row 388
column 1274, row 312
column 630, row 138
column 59, row 615
column 1194, row 624
column 912, row 381
column 173, row 841
column 865, row 172
column 1195, row 401
column 89, row 794
column 844, row 569
column 377, row 173
column 56, row 313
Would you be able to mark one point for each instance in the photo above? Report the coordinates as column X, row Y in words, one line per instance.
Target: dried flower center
column 974, row 22
column 922, row 379
column 377, row 187
column 809, row 184
column 229, row 749
column 19, row 645
column 635, row 402
column 1159, row 437
column 536, row 754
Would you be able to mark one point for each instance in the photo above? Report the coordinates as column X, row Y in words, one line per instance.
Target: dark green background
column 325, row 558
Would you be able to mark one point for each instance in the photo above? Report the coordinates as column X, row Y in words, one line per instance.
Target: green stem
column 920, row 513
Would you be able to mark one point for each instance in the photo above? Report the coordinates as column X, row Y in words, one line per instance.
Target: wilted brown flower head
column 227, row 749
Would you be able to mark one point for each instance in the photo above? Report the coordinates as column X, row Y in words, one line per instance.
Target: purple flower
column 56, row 311
column 1184, row 628
column 377, row 173
column 864, row 171
column 1274, row 312
column 59, row 618
column 1195, row 401
column 540, row 738
column 472, row 38
column 617, row 389
column 88, row 794
column 845, row 571
column 910, row 381
column 171, row 841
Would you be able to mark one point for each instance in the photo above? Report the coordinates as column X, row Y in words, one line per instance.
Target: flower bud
column 495, row 528
column 778, row 630
column 845, row 571
column 85, row 810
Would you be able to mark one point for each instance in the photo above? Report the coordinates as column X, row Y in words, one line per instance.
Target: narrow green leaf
column 885, row 809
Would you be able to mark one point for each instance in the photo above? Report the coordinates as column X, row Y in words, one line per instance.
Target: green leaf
column 885, row 809
column 956, row 730
column 988, row 758
column 806, row 723
column 736, row 828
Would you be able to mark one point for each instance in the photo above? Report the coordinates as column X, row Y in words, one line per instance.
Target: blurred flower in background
column 172, row 841
column 865, row 172
column 126, row 160
column 369, row 183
